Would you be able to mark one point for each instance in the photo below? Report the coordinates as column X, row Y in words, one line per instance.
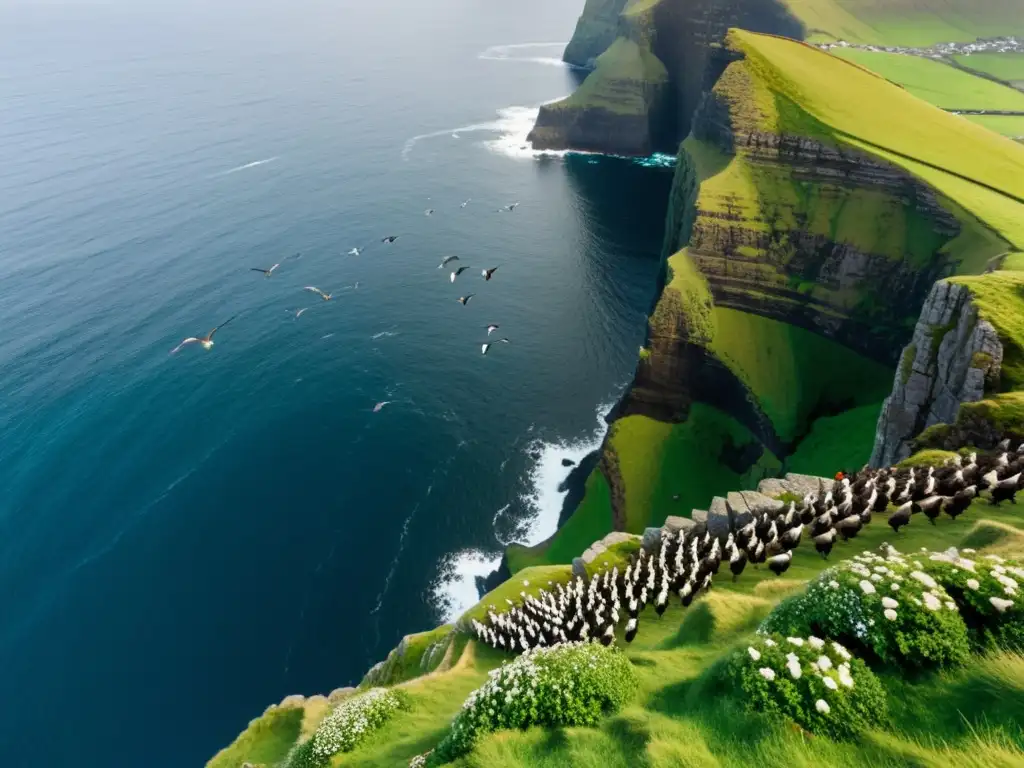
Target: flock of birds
column 683, row 564
column 206, row 341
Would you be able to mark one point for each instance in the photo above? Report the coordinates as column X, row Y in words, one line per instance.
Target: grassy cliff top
column 613, row 85
column 802, row 90
column 907, row 22
column 1000, row 300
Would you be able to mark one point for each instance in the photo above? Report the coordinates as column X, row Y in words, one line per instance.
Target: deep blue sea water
column 186, row 539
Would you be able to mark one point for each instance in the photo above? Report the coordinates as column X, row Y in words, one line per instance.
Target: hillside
column 815, row 205
column 837, row 247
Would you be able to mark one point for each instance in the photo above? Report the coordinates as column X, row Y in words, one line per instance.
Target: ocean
column 186, row 539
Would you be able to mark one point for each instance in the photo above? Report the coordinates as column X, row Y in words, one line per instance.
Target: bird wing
column 484, row 348
column 258, row 269
column 210, row 334
column 274, row 267
column 315, row 290
column 189, row 340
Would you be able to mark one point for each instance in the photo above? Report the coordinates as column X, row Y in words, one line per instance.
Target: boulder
column 579, row 568
column 772, row 487
column 739, row 511
column 699, row 516
column 718, row 519
column 758, row 503
column 651, row 539
column 674, row 523
column 801, row 485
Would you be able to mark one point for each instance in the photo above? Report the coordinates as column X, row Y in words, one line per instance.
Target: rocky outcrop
column 597, row 27
column 598, row 548
column 633, row 115
column 616, row 110
column 952, row 359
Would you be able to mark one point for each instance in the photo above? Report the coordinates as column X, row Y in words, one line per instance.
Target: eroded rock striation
column 953, row 359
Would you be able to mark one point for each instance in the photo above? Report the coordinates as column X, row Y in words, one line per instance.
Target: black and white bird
column 458, row 272
column 389, row 239
column 318, row 292
column 446, row 261
column 488, row 273
column 206, row 342
column 266, row 272
column 428, row 212
column 492, row 328
column 464, row 300
column 488, row 344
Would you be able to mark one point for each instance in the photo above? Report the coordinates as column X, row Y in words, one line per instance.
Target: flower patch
column 816, row 684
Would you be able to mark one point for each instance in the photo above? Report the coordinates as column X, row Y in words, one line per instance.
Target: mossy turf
column 680, row 716
column 800, row 89
column 659, row 462
column 843, row 441
column 622, row 82
column 1005, row 66
column 906, row 22
column 265, row 742
column 937, row 82
column 1011, row 127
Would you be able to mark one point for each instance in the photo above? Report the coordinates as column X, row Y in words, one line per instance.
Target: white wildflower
column 825, row 662
column 867, row 587
column 894, row 587
column 797, row 641
column 890, row 614
column 822, row 706
column 754, row 653
column 888, row 602
column 951, row 605
column 931, row 602
column 1000, row 604
column 841, row 651
column 830, row 683
column 794, row 669
column 526, row 582
column 845, row 678
column 815, row 642
column 925, row 579
column 834, row 584
column 767, row 673
column 973, row 584
column 769, row 641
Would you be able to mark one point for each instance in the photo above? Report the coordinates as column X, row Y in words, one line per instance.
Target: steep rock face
column 784, row 231
column 597, row 27
column 626, row 110
column 951, row 359
column 617, row 109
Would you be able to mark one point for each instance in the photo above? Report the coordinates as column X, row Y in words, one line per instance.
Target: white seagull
column 487, row 273
column 491, row 328
column 447, row 260
column 380, row 406
column 266, row 272
column 296, row 312
column 321, row 294
column 355, row 251
column 458, row 272
column 487, row 345
column 205, row 341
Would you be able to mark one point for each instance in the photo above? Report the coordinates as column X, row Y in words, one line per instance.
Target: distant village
column 940, row 50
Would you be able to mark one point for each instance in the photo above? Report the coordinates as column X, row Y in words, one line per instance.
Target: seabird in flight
column 458, row 272
column 297, row 312
column 464, row 300
column 317, row 291
column 205, row 341
column 488, row 272
column 389, row 239
column 447, row 260
column 491, row 328
column 355, row 251
column 487, row 345
column 466, row 202
column 266, row 272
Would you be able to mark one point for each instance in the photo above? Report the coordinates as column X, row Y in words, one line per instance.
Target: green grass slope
column 677, row 717
column 937, row 82
column 1005, row 66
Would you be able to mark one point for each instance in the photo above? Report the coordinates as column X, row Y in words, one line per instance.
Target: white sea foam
column 245, row 167
column 516, row 53
column 511, row 127
column 548, row 474
column 455, row 590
